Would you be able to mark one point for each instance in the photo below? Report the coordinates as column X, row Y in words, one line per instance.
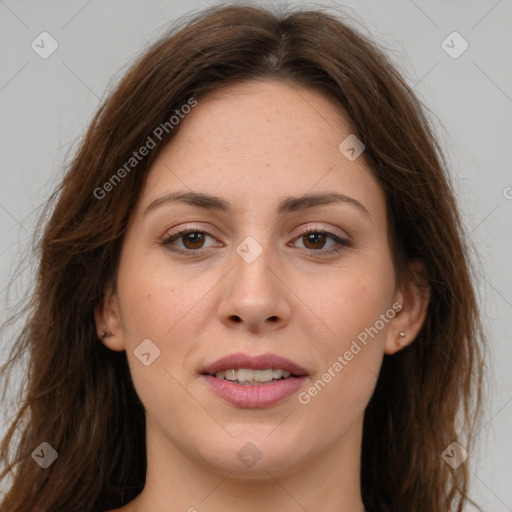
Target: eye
column 315, row 240
column 192, row 240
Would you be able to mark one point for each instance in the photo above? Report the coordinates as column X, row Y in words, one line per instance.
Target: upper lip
column 258, row 362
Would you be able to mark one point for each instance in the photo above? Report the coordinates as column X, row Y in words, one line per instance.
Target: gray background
column 46, row 105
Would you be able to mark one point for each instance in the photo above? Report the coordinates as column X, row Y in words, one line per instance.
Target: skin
column 254, row 144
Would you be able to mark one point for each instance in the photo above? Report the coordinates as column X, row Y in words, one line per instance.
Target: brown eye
column 314, row 240
column 191, row 242
column 193, row 239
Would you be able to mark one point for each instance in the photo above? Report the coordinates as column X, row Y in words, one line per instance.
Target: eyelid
column 309, row 228
column 187, row 228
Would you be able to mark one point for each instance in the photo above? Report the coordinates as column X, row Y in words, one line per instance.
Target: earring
column 398, row 340
column 106, row 334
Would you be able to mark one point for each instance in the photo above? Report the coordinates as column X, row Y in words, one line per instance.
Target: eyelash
column 343, row 243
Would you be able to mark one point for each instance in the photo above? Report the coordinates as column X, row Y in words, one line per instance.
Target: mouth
column 253, row 370
column 254, row 381
column 248, row 377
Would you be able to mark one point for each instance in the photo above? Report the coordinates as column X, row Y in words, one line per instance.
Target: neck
column 325, row 482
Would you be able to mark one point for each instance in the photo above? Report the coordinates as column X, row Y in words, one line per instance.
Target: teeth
column 245, row 374
column 277, row 373
column 231, row 375
column 260, row 375
column 248, row 376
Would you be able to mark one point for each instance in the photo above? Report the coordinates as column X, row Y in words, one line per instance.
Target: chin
column 252, row 457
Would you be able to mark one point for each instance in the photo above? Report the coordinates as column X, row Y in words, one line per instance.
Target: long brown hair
column 79, row 396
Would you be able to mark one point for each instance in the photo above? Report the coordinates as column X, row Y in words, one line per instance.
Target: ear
column 414, row 296
column 108, row 320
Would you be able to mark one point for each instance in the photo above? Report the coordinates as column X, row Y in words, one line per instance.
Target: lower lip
column 251, row 397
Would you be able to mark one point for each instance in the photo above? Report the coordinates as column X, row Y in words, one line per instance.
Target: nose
column 255, row 297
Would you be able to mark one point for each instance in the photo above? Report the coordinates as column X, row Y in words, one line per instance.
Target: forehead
column 250, row 115
column 254, row 142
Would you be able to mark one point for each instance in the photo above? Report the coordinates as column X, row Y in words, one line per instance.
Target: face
column 261, row 271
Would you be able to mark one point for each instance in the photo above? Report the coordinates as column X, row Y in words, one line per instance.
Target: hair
column 78, row 395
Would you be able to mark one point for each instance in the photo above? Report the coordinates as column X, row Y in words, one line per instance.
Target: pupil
column 198, row 238
column 311, row 237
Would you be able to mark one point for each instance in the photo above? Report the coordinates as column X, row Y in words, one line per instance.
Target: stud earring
column 106, row 334
column 399, row 338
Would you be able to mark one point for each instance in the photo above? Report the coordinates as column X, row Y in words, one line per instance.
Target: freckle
column 268, row 165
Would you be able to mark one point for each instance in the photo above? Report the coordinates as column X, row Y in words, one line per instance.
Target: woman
column 253, row 289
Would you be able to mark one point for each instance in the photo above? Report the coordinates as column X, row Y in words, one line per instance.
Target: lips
column 265, row 394
column 259, row 362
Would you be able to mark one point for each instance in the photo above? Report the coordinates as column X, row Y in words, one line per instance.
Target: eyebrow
column 287, row 205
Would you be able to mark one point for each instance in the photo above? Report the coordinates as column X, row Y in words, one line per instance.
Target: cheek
column 351, row 360
column 168, row 307
column 157, row 305
column 357, row 315
column 155, row 297
column 351, row 299
column 336, row 400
